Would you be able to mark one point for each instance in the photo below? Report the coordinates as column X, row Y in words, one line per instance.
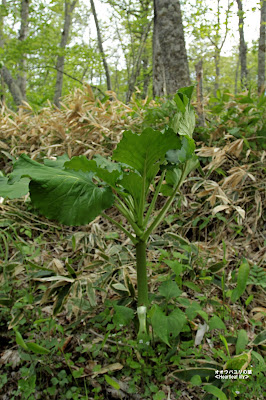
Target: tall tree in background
column 69, row 8
column 17, row 87
column 170, row 63
column 262, row 48
column 100, row 45
column 133, row 21
column 218, row 41
column 23, row 34
column 242, row 46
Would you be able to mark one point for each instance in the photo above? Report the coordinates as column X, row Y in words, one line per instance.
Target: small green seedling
column 143, row 166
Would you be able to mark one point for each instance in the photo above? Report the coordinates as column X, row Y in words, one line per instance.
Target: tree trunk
column 262, row 49
column 6, row 76
column 12, row 86
column 69, row 8
column 217, row 55
column 137, row 64
column 200, row 108
column 100, row 45
column 242, row 46
column 23, row 33
column 236, row 74
column 146, row 74
column 170, row 63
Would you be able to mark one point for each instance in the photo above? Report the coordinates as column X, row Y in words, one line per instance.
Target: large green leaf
column 106, row 173
column 145, row 152
column 177, row 156
column 68, row 196
column 184, row 120
column 132, row 182
column 166, row 325
column 173, row 174
column 14, row 191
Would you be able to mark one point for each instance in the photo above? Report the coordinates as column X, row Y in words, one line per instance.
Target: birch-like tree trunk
column 6, row 76
column 262, row 48
column 23, row 34
column 100, row 45
column 242, row 46
column 170, row 63
column 69, row 8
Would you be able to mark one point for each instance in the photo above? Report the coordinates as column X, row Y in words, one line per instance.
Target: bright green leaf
column 18, row 189
column 177, row 156
column 175, row 265
column 123, row 315
column 70, row 197
column 37, row 348
column 159, row 396
column 105, row 173
column 242, row 278
column 242, row 341
column 145, row 152
column 164, row 326
column 111, row 382
column 216, row 323
column 215, row 391
column 20, row 341
column 169, row 289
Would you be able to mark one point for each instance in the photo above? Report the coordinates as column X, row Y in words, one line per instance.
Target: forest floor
column 67, row 294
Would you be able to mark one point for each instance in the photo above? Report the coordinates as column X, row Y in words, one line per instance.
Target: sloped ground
column 217, row 224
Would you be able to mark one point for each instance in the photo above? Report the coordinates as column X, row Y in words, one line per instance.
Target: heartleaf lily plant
column 143, row 167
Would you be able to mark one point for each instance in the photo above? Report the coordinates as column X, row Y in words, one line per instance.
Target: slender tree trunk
column 217, row 56
column 6, row 76
column 199, row 77
column 146, row 74
column 100, row 45
column 69, row 8
column 236, row 74
column 2, row 13
column 12, row 86
column 23, row 33
column 137, row 64
column 262, row 49
column 242, row 46
column 170, row 63
column 159, row 84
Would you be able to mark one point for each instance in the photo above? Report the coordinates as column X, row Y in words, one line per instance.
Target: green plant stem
column 123, row 211
column 165, row 208
column 142, row 200
column 131, row 237
column 142, row 273
column 154, row 199
column 128, row 200
column 126, row 210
